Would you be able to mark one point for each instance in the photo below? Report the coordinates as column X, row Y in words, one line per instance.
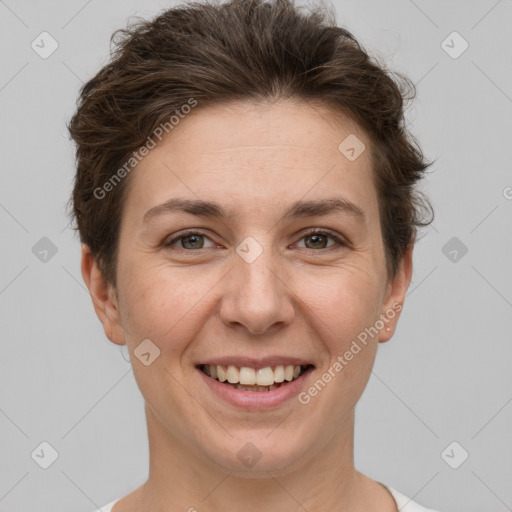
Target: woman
column 246, row 206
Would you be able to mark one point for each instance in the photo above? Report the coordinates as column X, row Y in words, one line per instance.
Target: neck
column 325, row 480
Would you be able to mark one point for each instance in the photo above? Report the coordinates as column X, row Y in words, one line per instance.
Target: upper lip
column 253, row 362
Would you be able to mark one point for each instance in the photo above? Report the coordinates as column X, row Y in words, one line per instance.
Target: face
column 218, row 265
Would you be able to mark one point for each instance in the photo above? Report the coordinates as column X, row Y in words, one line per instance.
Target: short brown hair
column 240, row 50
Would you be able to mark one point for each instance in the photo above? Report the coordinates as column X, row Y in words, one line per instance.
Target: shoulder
column 108, row 507
column 406, row 504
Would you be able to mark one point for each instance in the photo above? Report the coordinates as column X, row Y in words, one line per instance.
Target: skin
column 301, row 297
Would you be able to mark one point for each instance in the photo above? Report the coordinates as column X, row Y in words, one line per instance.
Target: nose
column 257, row 296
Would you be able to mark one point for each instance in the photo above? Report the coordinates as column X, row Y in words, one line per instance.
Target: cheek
column 341, row 305
column 162, row 304
column 345, row 310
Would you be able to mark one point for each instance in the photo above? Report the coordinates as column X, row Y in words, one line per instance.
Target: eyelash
column 316, row 231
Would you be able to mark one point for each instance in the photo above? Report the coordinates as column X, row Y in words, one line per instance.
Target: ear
column 103, row 297
column 395, row 296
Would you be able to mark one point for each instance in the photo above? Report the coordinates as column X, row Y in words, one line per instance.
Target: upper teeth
column 245, row 375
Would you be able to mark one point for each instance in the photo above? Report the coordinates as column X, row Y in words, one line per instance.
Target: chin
column 254, row 456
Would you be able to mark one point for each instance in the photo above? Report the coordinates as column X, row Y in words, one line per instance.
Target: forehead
column 256, row 155
column 291, row 126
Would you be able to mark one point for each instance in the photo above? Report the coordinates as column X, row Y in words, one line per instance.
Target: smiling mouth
column 251, row 379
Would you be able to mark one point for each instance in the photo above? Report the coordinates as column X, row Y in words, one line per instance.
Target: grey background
column 444, row 377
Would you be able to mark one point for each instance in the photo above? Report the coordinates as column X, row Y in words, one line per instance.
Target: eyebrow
column 299, row 209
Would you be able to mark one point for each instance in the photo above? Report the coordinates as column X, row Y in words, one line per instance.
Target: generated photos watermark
column 343, row 360
column 137, row 156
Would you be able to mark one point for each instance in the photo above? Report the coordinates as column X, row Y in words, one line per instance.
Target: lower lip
column 256, row 400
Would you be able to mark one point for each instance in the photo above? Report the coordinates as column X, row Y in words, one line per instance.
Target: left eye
column 319, row 239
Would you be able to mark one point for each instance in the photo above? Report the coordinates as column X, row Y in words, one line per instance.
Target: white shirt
column 403, row 503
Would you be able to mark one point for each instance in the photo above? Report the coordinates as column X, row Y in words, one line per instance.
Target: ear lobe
column 103, row 297
column 395, row 297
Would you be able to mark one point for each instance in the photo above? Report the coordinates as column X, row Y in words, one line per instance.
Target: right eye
column 189, row 241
